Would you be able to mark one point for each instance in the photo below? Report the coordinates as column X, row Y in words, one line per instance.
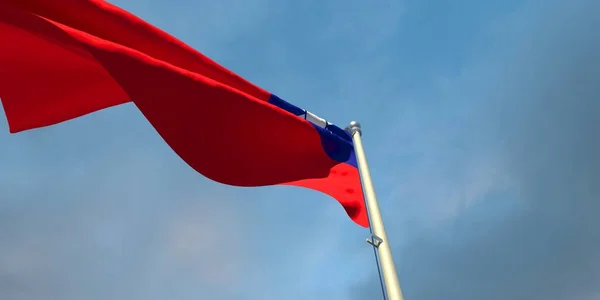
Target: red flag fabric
column 63, row 59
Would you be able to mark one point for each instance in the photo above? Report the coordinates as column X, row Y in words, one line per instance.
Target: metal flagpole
column 379, row 238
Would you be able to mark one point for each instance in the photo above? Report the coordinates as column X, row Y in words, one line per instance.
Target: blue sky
column 479, row 123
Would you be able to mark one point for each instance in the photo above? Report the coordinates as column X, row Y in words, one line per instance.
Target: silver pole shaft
column 384, row 253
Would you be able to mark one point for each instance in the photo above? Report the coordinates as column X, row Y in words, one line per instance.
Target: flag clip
column 375, row 241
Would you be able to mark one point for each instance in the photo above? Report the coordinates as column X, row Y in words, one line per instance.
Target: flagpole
column 379, row 238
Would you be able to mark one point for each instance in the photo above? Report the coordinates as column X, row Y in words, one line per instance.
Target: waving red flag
column 62, row 59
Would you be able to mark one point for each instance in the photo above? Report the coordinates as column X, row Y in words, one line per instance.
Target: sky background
column 480, row 124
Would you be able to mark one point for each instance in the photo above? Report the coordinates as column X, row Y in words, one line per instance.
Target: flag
column 62, row 59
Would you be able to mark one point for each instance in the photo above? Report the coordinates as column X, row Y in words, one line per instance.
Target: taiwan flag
column 62, row 59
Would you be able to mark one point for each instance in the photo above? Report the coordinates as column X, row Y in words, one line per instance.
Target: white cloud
column 207, row 240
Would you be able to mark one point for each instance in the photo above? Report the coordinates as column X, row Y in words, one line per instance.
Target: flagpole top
column 354, row 127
